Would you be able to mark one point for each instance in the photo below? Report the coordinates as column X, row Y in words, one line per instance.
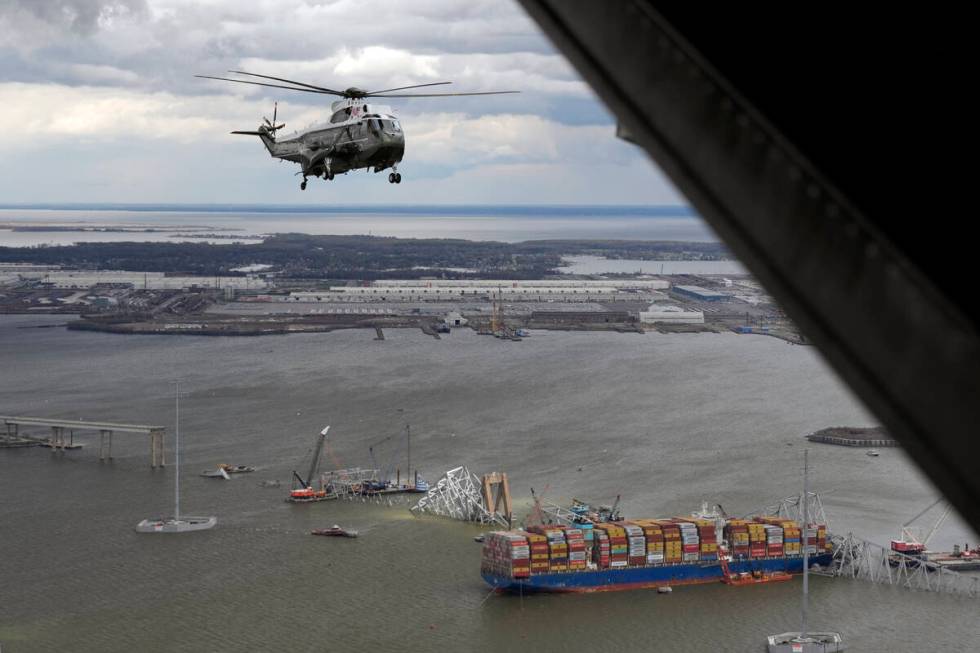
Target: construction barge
column 851, row 436
column 650, row 553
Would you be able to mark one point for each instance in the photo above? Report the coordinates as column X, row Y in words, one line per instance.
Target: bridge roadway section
column 62, row 434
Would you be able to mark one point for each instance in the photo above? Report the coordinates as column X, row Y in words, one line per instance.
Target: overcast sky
column 99, row 103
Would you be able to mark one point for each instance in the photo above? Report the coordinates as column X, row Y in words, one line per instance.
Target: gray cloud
column 479, row 44
column 79, row 17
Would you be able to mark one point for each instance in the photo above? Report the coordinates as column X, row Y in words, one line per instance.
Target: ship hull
column 628, row 578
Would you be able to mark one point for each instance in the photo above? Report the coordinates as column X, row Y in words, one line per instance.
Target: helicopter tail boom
column 262, row 132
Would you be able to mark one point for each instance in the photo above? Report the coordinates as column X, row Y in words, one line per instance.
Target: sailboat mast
column 177, row 458
column 806, row 541
column 408, row 437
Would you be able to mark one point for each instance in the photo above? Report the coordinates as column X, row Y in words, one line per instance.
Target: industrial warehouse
column 260, row 302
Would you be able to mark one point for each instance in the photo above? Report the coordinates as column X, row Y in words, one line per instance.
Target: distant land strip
column 540, row 210
column 358, row 257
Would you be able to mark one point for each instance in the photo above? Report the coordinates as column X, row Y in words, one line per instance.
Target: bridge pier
column 156, row 449
column 63, row 435
column 105, row 445
column 57, row 440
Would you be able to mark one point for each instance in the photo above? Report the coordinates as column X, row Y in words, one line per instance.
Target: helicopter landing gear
column 328, row 176
column 395, row 178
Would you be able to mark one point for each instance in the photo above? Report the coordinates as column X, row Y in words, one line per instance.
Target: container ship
column 647, row 553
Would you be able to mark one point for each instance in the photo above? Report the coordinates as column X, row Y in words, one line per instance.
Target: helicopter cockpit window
column 340, row 116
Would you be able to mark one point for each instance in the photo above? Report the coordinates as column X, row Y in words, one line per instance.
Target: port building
column 701, row 294
column 423, row 293
column 620, row 284
column 139, row 280
column 507, row 289
column 670, row 314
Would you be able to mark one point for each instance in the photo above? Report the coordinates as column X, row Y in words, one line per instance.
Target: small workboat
column 873, row 453
column 334, row 531
column 224, row 470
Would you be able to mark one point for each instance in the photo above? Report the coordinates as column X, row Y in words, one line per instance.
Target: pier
column 63, row 430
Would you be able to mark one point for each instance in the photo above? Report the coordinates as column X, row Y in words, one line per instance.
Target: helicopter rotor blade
column 290, row 88
column 403, row 88
column 289, row 81
column 443, row 94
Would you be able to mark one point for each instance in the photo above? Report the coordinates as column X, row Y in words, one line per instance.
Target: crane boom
column 923, row 511
column 316, row 456
column 939, row 522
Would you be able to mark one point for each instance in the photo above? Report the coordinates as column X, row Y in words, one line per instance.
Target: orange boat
column 746, row 578
column 307, row 494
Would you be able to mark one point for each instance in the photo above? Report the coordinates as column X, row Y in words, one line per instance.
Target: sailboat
column 176, row 524
column 803, row 641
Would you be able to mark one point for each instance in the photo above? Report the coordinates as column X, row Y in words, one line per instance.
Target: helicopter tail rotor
column 272, row 127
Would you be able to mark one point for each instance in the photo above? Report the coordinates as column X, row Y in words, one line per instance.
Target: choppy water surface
column 666, row 420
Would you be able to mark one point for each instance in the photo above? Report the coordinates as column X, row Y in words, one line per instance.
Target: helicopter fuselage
column 358, row 135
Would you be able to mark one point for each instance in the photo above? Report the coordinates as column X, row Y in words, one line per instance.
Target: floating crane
column 911, row 541
column 305, row 492
column 496, row 313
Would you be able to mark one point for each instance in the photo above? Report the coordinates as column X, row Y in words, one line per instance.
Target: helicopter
column 357, row 135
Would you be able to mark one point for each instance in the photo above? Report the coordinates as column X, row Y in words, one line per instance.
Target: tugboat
column 334, row 531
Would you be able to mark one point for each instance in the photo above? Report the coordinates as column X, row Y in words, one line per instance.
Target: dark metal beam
column 817, row 237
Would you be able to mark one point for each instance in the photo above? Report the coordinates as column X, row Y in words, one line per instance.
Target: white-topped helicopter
column 357, row 135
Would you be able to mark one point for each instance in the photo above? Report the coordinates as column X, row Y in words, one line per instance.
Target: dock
column 63, row 435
